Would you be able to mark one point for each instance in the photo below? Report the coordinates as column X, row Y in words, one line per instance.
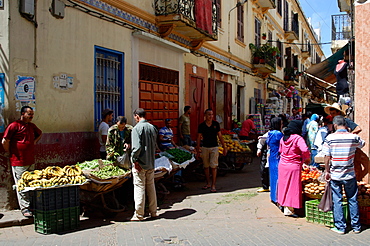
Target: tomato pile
column 310, row 174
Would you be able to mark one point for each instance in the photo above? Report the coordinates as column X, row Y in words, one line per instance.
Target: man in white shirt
column 103, row 131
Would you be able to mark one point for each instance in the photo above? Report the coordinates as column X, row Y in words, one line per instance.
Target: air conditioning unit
column 27, row 7
column 57, row 8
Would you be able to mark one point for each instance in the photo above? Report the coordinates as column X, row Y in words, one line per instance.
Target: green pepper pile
column 108, row 172
column 179, row 155
column 87, row 165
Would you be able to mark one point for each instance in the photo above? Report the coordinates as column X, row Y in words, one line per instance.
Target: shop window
column 240, row 33
column 108, row 84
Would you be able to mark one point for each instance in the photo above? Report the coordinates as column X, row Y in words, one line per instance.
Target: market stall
column 313, row 189
column 169, row 163
column 55, row 197
column 239, row 153
column 104, row 178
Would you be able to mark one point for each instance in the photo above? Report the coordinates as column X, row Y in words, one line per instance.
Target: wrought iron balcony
column 264, row 58
column 341, row 27
column 195, row 19
column 291, row 29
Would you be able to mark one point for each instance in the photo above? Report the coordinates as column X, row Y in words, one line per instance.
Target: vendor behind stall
column 247, row 128
column 119, row 138
column 166, row 136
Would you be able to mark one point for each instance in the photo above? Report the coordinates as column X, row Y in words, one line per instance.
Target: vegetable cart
column 99, row 192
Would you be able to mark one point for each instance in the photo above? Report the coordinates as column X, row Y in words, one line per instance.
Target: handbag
column 124, row 161
column 326, row 203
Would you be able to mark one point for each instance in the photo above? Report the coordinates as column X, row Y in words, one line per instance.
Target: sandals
column 206, row 187
column 27, row 213
column 213, row 190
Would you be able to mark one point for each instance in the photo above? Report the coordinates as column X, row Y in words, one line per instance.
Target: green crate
column 315, row 215
column 55, row 221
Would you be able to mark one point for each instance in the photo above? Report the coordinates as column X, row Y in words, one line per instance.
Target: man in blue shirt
column 166, row 136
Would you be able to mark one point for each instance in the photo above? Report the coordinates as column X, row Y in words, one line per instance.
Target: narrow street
column 235, row 215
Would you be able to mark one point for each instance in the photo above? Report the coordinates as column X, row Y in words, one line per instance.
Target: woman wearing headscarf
column 312, row 129
column 293, row 153
column 273, row 140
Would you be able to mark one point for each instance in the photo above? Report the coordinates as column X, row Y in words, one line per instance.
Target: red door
column 227, row 105
column 159, row 95
column 196, row 104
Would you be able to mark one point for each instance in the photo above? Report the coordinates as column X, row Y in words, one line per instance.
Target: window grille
column 108, row 83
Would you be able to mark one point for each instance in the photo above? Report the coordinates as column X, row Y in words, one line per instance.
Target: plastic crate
column 364, row 215
column 56, row 198
column 56, row 221
column 315, row 215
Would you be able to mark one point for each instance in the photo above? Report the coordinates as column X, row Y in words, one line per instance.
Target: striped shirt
column 341, row 147
column 167, row 137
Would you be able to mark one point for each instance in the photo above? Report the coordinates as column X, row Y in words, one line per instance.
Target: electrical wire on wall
column 102, row 16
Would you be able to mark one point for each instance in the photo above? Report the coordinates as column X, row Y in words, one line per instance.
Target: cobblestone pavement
column 235, row 215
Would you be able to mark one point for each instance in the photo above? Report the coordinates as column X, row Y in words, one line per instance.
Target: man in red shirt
column 19, row 142
column 247, row 127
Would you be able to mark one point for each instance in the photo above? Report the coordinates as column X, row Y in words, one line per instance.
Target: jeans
column 350, row 187
column 186, row 140
column 313, row 154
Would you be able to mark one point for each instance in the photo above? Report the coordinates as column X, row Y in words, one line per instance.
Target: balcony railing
column 196, row 19
column 341, row 27
column 264, row 58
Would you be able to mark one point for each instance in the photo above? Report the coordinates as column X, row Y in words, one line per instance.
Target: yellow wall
column 63, row 46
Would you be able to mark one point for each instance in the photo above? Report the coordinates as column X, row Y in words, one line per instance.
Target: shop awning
column 225, row 69
column 325, row 69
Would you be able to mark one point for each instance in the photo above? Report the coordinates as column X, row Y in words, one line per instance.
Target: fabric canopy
column 325, row 69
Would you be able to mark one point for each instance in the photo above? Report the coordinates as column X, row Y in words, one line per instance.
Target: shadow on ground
column 248, row 177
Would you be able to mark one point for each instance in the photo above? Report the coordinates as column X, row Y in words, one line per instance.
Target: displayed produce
column 313, row 187
column 225, row 132
column 179, row 155
column 109, row 171
column 88, row 165
column 50, row 177
column 363, row 190
column 308, row 173
column 235, row 146
column 311, row 183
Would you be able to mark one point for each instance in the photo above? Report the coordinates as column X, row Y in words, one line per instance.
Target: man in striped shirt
column 339, row 149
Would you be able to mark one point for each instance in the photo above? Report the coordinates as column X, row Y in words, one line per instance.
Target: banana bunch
column 53, row 171
column 31, row 175
column 72, row 171
column 59, row 181
column 76, row 179
column 51, row 176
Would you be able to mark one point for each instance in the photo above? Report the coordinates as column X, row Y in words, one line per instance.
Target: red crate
column 364, row 215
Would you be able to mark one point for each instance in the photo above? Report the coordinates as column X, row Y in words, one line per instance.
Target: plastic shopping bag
column 124, row 161
column 326, row 203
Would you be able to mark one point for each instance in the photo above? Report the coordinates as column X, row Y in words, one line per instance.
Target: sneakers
column 356, row 231
column 334, row 229
column 263, row 190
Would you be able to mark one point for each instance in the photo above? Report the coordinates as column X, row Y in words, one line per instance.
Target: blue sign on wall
column 2, row 101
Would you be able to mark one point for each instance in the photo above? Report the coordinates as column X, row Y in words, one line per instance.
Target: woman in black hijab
column 294, row 127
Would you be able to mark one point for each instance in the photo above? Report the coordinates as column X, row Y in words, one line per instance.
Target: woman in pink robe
column 293, row 153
